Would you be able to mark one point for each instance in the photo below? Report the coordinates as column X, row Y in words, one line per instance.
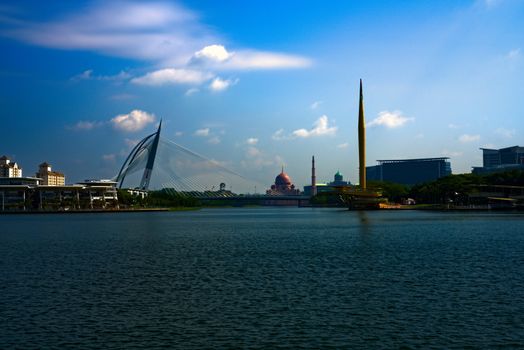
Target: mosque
column 283, row 186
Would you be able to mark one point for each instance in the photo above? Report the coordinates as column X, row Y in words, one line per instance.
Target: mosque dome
column 282, row 179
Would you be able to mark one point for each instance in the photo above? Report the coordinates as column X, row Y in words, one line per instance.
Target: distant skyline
column 255, row 85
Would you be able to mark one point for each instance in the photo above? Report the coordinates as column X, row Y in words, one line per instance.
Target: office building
column 499, row 160
column 409, row 171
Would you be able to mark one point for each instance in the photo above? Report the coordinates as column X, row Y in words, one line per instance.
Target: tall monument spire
column 313, row 178
column 361, row 141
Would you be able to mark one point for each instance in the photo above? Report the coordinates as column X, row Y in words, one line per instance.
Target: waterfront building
column 410, row 171
column 283, row 186
column 498, row 160
column 49, row 177
column 21, row 194
column 8, row 168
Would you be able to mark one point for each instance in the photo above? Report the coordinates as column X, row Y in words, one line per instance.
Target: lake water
column 262, row 278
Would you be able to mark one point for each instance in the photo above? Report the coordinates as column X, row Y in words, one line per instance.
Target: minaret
column 313, row 178
column 361, row 141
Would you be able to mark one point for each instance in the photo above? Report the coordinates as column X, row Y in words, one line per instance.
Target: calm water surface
column 262, row 278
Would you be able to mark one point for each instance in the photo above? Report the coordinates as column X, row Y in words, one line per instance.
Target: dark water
column 262, row 278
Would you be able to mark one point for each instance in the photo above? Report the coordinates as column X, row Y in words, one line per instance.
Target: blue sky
column 255, row 85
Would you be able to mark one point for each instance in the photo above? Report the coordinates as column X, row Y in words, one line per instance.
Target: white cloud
column 508, row 134
column 343, row 145
column 468, row 138
column 489, row 145
column 192, row 91
column 316, row 104
column 169, row 76
column 136, row 120
column 219, row 84
column 215, row 53
column 179, row 133
column 215, row 140
column 202, row 132
column 321, row 128
column 453, row 126
column 252, row 141
column 390, row 120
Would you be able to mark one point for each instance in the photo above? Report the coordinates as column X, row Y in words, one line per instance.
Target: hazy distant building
column 49, row 177
column 283, row 186
column 409, row 171
column 8, row 168
column 504, row 159
column 338, row 181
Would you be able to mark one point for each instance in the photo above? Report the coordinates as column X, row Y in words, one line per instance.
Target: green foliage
column 170, row 198
column 165, row 198
column 392, row 191
column 456, row 188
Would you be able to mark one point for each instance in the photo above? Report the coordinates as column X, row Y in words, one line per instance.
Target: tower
column 361, row 141
column 146, row 177
column 313, row 178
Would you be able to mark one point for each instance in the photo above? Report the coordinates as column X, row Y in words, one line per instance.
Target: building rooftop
column 386, row 161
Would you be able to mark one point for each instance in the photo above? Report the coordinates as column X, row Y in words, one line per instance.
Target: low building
column 25, row 194
column 8, row 168
column 409, row 171
column 49, row 177
column 338, row 181
column 499, row 160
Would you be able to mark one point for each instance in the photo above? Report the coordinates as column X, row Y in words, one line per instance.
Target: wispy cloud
column 447, row 153
column 466, row 138
column 109, row 157
column 192, row 91
column 86, row 125
column 170, row 76
column 514, row 55
column 88, row 75
column 219, row 58
column 202, row 132
column 134, row 121
column 215, row 140
column 390, row 120
column 506, row 133
column 278, row 135
column 343, row 145
column 316, row 104
column 252, row 141
column 163, row 32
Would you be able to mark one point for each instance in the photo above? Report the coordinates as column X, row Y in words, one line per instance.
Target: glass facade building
column 409, row 171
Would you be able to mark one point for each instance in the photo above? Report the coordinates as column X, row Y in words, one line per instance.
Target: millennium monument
column 360, row 197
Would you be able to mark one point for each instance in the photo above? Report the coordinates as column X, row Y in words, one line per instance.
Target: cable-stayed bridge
column 159, row 163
